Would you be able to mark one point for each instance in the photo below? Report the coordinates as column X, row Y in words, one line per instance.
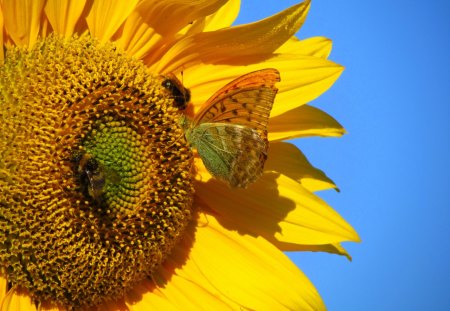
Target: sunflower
column 103, row 202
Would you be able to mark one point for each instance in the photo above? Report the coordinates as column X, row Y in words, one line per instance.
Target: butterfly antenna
column 176, row 140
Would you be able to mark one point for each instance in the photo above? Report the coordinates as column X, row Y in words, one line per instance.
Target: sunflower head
column 97, row 174
column 95, row 182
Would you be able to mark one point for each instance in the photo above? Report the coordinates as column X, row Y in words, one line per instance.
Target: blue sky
column 394, row 164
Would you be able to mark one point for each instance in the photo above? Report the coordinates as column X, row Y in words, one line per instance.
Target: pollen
column 95, row 172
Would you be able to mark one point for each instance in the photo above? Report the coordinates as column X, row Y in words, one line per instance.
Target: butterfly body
column 230, row 131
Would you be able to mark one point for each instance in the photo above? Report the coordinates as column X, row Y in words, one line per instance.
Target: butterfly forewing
column 246, row 101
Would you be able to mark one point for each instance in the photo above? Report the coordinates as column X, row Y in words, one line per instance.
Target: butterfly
column 230, row 130
column 180, row 95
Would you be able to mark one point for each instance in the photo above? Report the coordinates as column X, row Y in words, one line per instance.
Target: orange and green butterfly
column 230, row 130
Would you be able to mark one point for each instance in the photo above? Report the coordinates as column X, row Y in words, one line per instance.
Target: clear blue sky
column 393, row 167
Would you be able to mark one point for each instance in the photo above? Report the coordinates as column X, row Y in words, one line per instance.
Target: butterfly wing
column 231, row 152
column 230, row 130
column 246, row 101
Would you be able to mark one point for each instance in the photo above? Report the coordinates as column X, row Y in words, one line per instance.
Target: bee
column 93, row 176
column 180, row 95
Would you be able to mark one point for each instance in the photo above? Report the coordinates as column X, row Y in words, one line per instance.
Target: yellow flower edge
column 228, row 258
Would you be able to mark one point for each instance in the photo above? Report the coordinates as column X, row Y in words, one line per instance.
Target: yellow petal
column 202, row 173
column 2, row 55
column 315, row 46
column 49, row 306
column 63, row 15
column 304, row 81
column 234, row 45
column 314, row 185
column 244, row 270
column 303, row 121
column 45, row 27
column 145, row 296
column 277, row 208
column 138, row 38
column 173, row 292
column 17, row 300
column 327, row 248
column 105, row 17
column 251, row 270
column 23, row 20
column 303, row 78
column 147, row 28
column 288, row 160
column 178, row 12
column 224, row 17
column 3, row 287
column 118, row 305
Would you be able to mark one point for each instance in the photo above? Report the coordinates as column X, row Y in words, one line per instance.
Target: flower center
column 95, row 181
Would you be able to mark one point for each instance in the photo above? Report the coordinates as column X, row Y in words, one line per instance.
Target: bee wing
column 96, row 184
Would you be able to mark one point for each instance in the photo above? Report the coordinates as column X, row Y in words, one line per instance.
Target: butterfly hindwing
column 231, row 152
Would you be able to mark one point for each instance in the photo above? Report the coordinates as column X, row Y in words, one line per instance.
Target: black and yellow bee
column 180, row 95
column 94, row 176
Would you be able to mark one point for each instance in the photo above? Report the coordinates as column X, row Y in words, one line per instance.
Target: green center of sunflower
column 95, row 182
